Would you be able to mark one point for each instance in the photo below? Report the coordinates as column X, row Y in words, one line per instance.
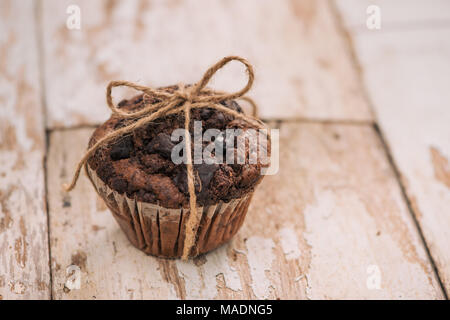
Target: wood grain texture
column 303, row 67
column 24, row 261
column 396, row 14
column 314, row 230
column 408, row 79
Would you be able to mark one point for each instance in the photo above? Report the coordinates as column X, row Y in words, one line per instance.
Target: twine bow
column 183, row 99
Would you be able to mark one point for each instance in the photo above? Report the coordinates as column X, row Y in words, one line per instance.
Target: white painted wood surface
column 408, row 79
column 24, row 262
column 336, row 222
column 332, row 222
column 303, row 67
column 396, row 14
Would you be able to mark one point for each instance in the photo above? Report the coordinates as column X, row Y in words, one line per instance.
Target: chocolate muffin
column 147, row 192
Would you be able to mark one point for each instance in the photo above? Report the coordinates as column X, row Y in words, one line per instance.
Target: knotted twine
column 182, row 99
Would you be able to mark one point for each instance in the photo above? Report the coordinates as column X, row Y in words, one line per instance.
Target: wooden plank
column 303, row 67
column 24, row 261
column 398, row 14
column 332, row 220
column 408, row 79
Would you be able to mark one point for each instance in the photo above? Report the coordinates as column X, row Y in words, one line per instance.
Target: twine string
column 181, row 100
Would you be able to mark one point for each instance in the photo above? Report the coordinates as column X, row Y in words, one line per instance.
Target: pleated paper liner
column 160, row 231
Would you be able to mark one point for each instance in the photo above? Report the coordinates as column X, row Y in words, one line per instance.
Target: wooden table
column 360, row 207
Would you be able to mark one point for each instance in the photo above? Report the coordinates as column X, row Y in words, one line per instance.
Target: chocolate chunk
column 154, row 163
column 237, row 124
column 206, row 113
column 232, row 105
column 140, row 179
column 122, row 103
column 180, row 180
column 122, row 149
column 250, row 174
column 105, row 170
column 216, row 121
column 220, row 118
column 119, row 124
column 222, row 181
column 165, row 190
column 206, row 173
column 138, row 100
column 119, row 184
column 161, row 144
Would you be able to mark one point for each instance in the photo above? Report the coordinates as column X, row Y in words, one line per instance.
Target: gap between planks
column 41, row 68
column 409, row 205
column 267, row 121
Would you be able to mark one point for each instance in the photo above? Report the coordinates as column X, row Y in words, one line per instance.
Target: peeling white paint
column 289, row 243
column 193, row 282
column 240, row 251
column 201, row 281
column 299, row 278
column 219, row 263
column 260, row 257
column 345, row 244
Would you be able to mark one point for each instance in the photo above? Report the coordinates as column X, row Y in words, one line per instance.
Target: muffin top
column 140, row 164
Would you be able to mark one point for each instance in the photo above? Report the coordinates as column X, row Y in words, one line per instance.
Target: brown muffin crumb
column 139, row 165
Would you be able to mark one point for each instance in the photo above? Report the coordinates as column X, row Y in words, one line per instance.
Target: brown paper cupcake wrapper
column 160, row 231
